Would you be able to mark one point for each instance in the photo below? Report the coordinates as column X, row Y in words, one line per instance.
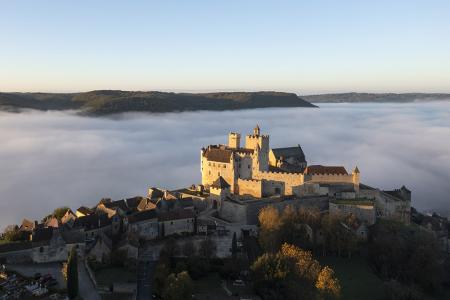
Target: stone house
column 144, row 224
column 101, row 249
column 92, row 224
column 176, row 222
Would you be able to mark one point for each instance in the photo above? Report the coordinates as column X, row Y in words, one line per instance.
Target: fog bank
column 51, row 159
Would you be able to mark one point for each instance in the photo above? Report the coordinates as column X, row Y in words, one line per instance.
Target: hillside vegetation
column 376, row 97
column 111, row 101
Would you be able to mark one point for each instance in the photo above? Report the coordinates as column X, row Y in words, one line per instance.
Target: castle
column 253, row 174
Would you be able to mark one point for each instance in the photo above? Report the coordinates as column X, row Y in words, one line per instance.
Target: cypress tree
column 72, row 274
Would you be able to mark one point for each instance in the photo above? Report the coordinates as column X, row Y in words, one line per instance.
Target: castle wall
column 292, row 181
column 233, row 212
column 362, row 212
column 329, row 178
column 250, row 187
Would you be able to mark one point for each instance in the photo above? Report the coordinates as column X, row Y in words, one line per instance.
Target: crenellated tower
column 260, row 145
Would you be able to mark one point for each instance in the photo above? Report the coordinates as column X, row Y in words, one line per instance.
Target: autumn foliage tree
column 293, row 273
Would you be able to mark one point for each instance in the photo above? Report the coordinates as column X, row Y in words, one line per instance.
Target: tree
column 270, row 223
column 178, row 286
column 406, row 253
column 234, row 247
column 12, row 233
column 72, row 274
column 169, row 251
column 290, row 273
column 161, row 273
column 208, row 248
column 327, row 284
column 189, row 249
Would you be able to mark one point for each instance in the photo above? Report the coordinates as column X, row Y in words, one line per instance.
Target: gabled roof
column 176, row 215
column 220, row 183
column 27, row 225
column 155, row 193
column 323, row 170
column 117, row 204
column 133, row 203
column 84, row 210
column 296, row 152
column 146, row 204
column 143, row 215
column 93, row 221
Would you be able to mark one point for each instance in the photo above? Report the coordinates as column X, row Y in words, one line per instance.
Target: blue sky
column 300, row 46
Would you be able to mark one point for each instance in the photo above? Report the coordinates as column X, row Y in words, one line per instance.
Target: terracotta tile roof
column 323, row 170
column 218, row 155
column 176, row 215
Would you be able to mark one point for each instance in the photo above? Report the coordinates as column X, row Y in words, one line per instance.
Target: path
column 85, row 286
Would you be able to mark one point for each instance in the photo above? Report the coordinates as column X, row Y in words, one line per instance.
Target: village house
column 144, row 224
column 179, row 222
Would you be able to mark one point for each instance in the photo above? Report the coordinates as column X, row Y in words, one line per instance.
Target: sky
column 52, row 159
column 305, row 47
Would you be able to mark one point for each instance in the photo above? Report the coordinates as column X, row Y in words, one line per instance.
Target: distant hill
column 377, row 98
column 112, row 101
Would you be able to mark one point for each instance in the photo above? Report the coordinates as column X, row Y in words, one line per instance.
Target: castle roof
column 220, row 183
column 218, row 154
column 296, row 152
column 322, row 170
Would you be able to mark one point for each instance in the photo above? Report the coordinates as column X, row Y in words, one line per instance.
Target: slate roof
column 323, row 170
column 296, row 152
column 133, row 203
column 176, row 215
column 218, row 155
column 93, row 221
column 143, row 215
column 84, row 210
column 220, row 183
column 117, row 204
column 155, row 193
